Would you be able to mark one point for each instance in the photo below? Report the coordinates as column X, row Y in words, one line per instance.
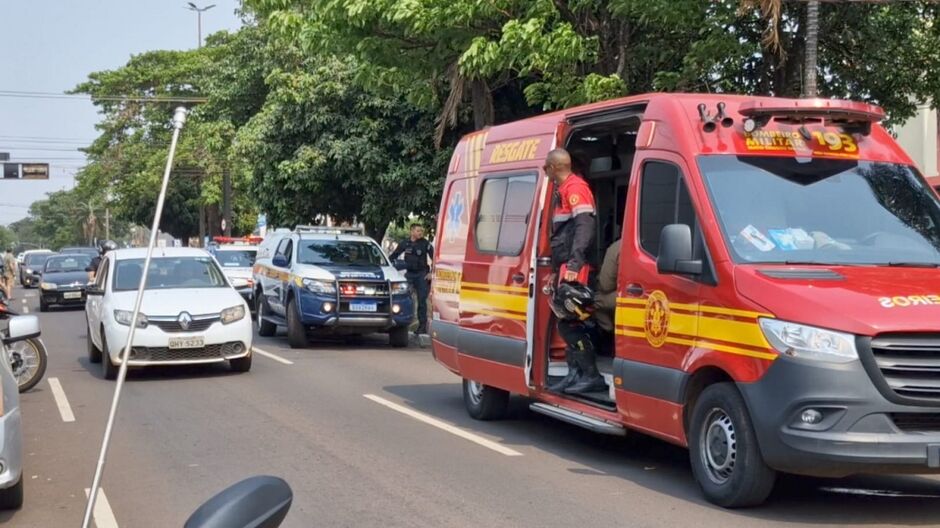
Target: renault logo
column 184, row 320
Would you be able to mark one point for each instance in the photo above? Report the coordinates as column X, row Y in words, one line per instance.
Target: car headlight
column 48, row 286
column 809, row 342
column 123, row 317
column 29, row 271
column 235, row 313
column 399, row 287
column 241, row 283
column 320, row 286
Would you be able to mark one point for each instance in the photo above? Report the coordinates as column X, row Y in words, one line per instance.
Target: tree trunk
column 812, row 39
column 482, row 100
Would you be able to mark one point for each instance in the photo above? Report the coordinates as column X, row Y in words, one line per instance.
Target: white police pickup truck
column 329, row 280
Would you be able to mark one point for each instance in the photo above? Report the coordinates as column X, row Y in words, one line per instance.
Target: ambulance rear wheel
column 726, row 459
column 484, row 402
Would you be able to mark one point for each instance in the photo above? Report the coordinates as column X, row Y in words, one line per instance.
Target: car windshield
column 823, row 211
column 67, row 263
column 241, row 258
column 80, row 250
column 340, row 253
column 168, row 273
column 36, row 260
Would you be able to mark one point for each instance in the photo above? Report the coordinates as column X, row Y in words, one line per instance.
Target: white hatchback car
column 190, row 312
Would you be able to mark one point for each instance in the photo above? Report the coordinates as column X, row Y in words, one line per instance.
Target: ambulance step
column 579, row 419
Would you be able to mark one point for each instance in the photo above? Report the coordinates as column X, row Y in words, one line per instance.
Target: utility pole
column 199, row 11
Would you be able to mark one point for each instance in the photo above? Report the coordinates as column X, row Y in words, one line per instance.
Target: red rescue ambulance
column 778, row 293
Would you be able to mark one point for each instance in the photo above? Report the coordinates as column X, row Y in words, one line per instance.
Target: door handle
column 518, row 278
column 634, row 290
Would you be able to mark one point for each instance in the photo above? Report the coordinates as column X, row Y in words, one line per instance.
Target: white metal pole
column 179, row 118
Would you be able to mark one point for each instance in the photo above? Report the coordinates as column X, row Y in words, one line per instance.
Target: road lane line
column 269, row 355
column 421, row 417
column 24, row 301
column 104, row 517
column 25, row 309
column 61, row 401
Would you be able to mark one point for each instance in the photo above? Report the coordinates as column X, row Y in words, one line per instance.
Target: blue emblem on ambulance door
column 455, row 216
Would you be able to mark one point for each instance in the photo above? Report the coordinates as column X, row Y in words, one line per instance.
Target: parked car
column 236, row 257
column 11, row 431
column 63, row 280
column 190, row 314
column 32, row 264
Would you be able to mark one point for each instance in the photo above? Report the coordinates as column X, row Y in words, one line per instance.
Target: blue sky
column 51, row 46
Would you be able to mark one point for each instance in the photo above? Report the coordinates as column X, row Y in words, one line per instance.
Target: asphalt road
column 352, row 460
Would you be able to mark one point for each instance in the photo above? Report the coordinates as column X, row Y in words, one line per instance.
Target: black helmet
column 106, row 245
column 573, row 302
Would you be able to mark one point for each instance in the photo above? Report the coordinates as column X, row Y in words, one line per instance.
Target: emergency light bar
column 851, row 115
column 329, row 230
column 246, row 240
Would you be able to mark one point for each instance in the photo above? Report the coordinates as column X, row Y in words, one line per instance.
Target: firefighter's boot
column 574, row 373
column 590, row 380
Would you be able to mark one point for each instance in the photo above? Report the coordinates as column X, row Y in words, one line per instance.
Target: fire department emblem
column 656, row 322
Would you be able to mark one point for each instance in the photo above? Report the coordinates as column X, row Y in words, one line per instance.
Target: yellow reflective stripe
column 705, row 344
column 743, row 333
column 630, row 316
column 628, row 300
column 698, row 308
column 507, row 315
column 682, row 324
column 477, row 301
column 496, row 287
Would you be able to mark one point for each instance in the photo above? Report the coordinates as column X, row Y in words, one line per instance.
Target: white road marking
column 23, row 300
column 25, row 309
column 275, row 357
column 61, row 401
column 421, row 417
column 104, row 517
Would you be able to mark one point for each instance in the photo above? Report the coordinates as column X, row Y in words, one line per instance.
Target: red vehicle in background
column 778, row 293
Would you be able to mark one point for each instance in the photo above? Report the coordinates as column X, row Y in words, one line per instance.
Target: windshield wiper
column 914, row 264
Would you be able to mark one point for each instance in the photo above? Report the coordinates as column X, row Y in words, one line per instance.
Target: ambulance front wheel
column 726, row 459
column 484, row 402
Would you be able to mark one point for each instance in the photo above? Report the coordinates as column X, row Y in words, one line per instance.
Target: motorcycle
column 28, row 358
column 256, row 502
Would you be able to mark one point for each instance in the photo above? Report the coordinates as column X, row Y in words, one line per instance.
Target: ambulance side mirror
column 675, row 252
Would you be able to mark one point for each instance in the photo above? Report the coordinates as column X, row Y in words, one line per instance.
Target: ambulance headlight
column 399, row 287
column 809, row 342
column 320, row 286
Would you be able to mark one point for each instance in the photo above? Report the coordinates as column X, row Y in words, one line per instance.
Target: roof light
column 851, row 115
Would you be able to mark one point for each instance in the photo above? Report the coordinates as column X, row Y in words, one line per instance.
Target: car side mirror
column 257, row 502
column 280, row 261
column 21, row 327
column 675, row 251
column 94, row 290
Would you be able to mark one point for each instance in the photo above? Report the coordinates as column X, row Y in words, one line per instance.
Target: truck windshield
column 340, row 253
column 822, row 211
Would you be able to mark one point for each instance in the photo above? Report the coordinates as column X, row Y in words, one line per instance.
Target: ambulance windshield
column 823, row 211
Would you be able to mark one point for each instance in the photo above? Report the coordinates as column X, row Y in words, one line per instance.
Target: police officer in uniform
column 572, row 238
column 417, row 251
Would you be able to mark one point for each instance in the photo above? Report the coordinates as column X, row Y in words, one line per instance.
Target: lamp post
column 199, row 11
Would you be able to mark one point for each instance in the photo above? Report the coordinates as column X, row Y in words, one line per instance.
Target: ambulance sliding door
column 495, row 290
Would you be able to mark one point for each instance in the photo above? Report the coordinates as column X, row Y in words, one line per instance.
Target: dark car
column 90, row 251
column 32, row 268
column 64, row 280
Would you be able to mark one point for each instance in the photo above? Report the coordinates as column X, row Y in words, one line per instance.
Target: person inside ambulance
column 573, row 231
column 606, row 298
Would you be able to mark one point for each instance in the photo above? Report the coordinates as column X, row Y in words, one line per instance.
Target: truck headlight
column 235, row 313
column 48, row 286
column 123, row 317
column 320, row 286
column 809, row 342
column 399, row 287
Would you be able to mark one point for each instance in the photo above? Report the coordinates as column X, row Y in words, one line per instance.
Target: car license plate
column 187, row 342
column 363, row 307
column 72, row 295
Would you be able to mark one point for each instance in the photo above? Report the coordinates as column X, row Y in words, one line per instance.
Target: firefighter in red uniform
column 572, row 239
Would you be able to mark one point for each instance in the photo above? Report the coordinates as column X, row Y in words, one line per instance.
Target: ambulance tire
column 726, row 459
column 265, row 328
column 296, row 333
column 484, row 402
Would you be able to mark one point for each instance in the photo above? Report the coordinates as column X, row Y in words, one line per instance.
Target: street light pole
column 199, row 11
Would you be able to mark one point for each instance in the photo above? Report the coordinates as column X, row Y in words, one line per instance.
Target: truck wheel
column 296, row 333
column 265, row 328
column 726, row 459
column 108, row 368
column 94, row 353
column 484, row 402
column 398, row 337
column 12, row 497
